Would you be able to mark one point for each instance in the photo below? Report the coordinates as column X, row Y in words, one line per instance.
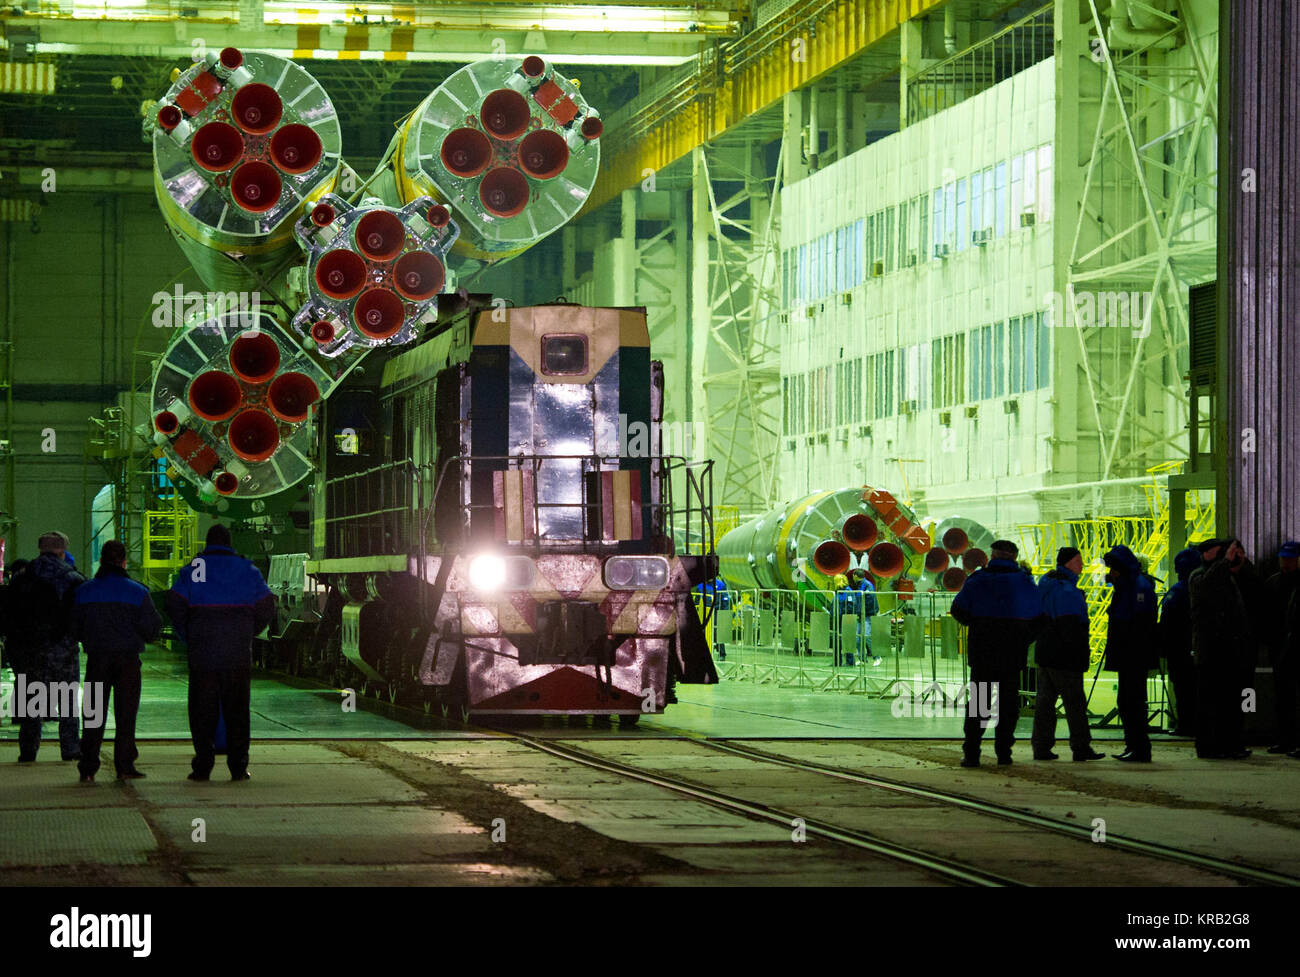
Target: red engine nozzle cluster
column 382, row 270
column 507, row 148
column 253, row 146
column 253, row 400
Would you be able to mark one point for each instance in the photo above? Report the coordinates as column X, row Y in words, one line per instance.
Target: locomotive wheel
column 628, row 721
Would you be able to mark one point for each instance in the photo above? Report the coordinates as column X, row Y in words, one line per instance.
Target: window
column 1000, row 203
column 1017, row 189
column 923, row 235
column 888, row 242
column 1029, row 200
column 976, row 365
column 1014, row 337
column 977, row 202
column 1044, row 352
column 989, row 207
column 998, row 361
column 963, row 230
column 986, row 362
column 564, row 355
column 937, row 211
column 1030, row 343
column 949, row 213
column 803, row 274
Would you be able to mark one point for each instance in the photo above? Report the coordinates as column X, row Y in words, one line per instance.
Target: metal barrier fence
column 911, row 645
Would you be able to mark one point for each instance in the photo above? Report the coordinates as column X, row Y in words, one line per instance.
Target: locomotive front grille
column 569, row 632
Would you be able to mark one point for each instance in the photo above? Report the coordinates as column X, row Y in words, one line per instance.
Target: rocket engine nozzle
column 592, row 127
column 974, row 558
column 254, row 357
column 380, row 235
column 291, row 396
column 340, row 274
column 169, row 117
column 226, row 483
column 466, row 152
column 952, row 579
column 418, row 275
column 505, row 114
column 831, row 557
column 533, row 66
column 379, row 313
column 254, row 435
column 256, row 108
column 166, row 422
column 256, row 186
column 216, row 147
column 859, row 532
column 231, row 58
column 886, row 560
column 955, row 541
column 296, row 148
column 936, row 561
column 215, row 395
column 543, row 154
column 504, row 191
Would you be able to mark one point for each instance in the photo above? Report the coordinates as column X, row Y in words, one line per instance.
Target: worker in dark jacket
column 1130, row 647
column 1001, row 607
column 1279, row 592
column 1062, row 654
column 43, row 651
column 1226, row 607
column 113, row 618
column 1174, row 639
column 217, row 605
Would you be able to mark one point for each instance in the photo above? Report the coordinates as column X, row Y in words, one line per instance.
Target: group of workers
column 1209, row 630
column 217, row 604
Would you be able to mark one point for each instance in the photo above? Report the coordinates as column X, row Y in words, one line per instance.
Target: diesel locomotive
column 491, row 541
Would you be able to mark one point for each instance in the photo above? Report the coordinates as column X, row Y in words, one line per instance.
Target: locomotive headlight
column 636, row 572
column 487, row 572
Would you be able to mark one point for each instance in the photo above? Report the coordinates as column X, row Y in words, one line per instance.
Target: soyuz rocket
column 251, row 182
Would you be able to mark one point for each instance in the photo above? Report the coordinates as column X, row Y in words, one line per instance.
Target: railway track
column 945, row 867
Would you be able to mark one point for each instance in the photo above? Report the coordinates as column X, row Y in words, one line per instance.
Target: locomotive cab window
column 564, row 355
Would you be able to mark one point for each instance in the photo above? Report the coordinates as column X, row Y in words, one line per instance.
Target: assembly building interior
column 649, row 442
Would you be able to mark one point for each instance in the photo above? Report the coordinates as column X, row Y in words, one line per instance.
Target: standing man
column 1130, row 647
column 1175, row 641
column 1001, row 607
column 1279, row 592
column 1062, row 652
column 218, row 603
column 1225, row 608
column 113, row 618
column 40, row 604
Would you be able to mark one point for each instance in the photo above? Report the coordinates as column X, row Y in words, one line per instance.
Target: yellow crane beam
column 739, row 79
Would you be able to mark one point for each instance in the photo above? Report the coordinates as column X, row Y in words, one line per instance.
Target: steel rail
column 948, row 868
column 1081, row 832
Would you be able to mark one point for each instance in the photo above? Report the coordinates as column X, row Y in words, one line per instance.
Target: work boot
column 195, row 775
column 132, row 774
column 970, row 758
column 1090, row 755
column 1004, row 760
column 1046, row 756
column 1128, row 756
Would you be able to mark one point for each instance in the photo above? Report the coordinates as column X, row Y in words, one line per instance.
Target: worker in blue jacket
column 1131, row 650
column 217, row 605
column 114, row 618
column 1062, row 653
column 1001, row 607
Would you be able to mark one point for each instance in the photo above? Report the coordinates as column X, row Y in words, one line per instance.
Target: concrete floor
column 354, row 797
